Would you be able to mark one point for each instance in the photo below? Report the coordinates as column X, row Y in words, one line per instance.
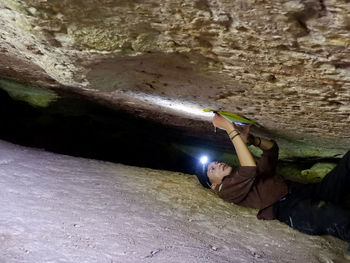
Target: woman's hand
column 222, row 123
column 244, row 155
column 244, row 130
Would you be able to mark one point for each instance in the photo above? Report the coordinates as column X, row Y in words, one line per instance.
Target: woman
column 314, row 209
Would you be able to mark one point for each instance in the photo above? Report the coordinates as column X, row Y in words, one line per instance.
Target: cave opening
column 76, row 126
column 79, row 126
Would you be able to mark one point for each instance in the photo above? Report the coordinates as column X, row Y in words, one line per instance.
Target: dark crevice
column 203, row 5
column 323, row 10
column 303, row 25
column 312, row 10
column 78, row 126
column 150, row 86
column 341, row 65
column 75, row 126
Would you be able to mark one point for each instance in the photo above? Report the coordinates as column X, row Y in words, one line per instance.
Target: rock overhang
column 283, row 64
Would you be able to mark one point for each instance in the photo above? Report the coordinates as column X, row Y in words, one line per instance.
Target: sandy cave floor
column 57, row 208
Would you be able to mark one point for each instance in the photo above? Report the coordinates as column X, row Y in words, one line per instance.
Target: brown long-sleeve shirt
column 255, row 186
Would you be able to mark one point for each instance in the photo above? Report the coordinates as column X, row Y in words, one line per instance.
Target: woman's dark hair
column 201, row 173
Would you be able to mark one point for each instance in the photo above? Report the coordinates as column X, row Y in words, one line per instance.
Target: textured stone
column 285, row 64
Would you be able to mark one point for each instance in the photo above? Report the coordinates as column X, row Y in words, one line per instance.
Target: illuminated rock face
column 57, row 208
column 284, row 64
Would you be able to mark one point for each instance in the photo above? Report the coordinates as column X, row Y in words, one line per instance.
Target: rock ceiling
column 285, row 64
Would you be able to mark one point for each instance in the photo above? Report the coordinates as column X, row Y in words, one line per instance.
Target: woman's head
column 212, row 174
column 217, row 171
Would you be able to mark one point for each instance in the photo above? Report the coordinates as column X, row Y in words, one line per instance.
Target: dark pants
column 317, row 209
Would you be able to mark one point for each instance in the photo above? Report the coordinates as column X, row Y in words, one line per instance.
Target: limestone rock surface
column 285, row 64
column 57, row 208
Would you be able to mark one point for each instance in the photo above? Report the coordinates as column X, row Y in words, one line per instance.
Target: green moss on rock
column 35, row 96
column 289, row 150
column 317, row 172
column 290, row 170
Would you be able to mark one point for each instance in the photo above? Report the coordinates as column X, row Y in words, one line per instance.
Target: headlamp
column 201, row 171
column 204, row 159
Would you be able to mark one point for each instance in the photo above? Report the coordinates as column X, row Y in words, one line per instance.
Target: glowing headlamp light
column 201, row 172
column 204, row 159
